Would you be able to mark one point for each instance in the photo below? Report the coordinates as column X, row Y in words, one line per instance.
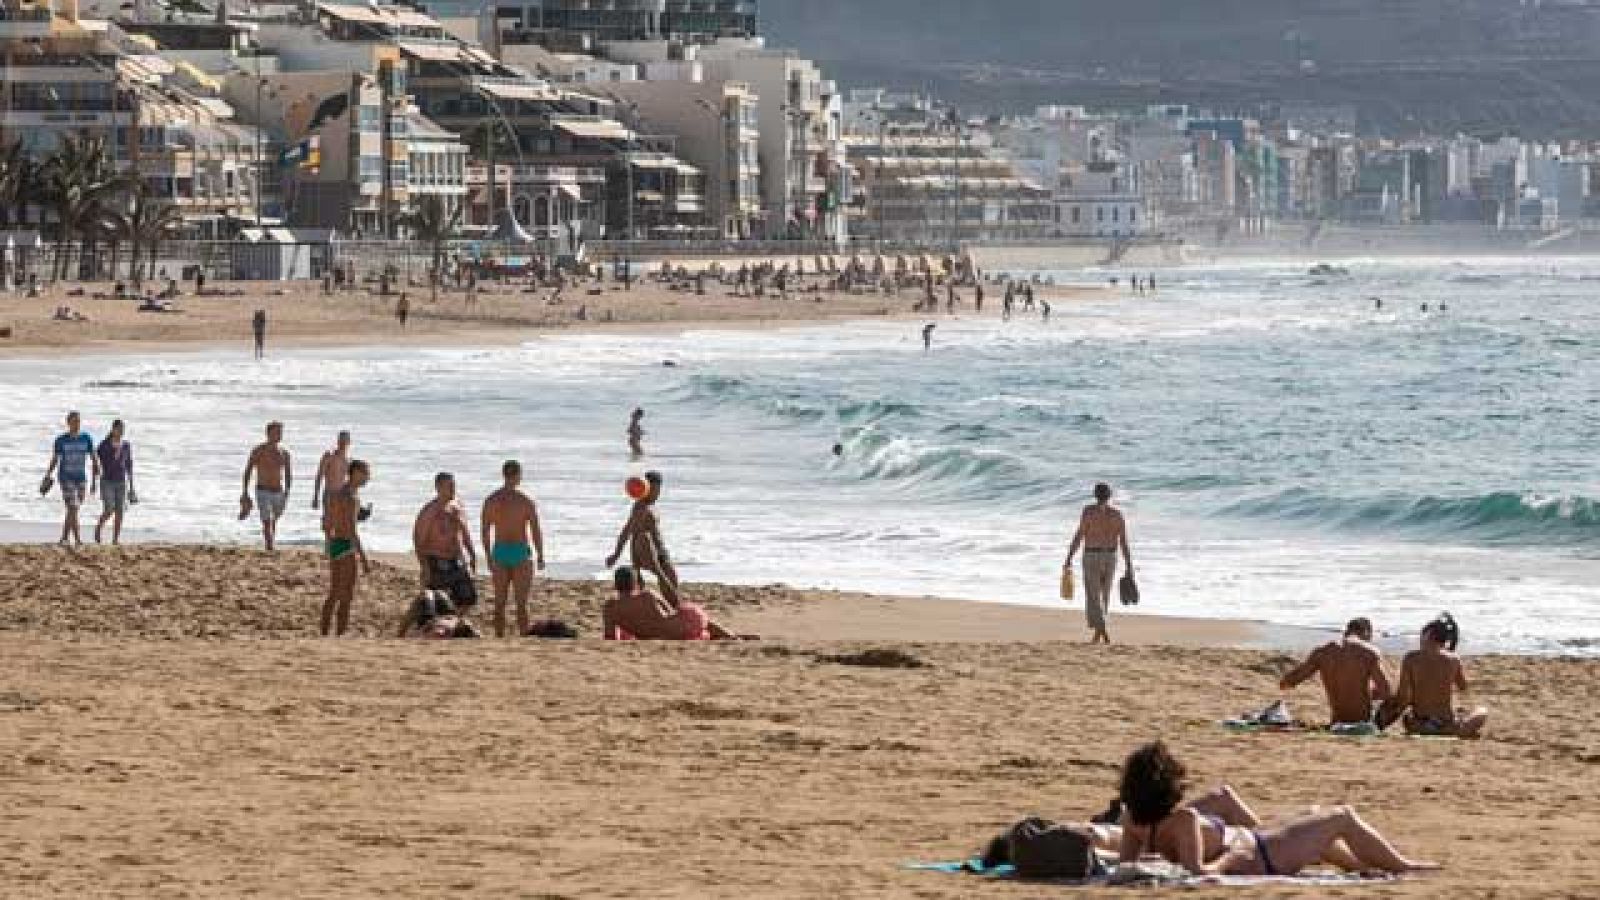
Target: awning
column 573, row 191
column 654, row 163
column 518, row 91
column 384, row 15
column 216, row 106
column 605, row 129
column 432, row 52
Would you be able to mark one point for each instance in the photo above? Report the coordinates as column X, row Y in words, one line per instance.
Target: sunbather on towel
column 1353, row 674
column 1153, row 782
column 1429, row 678
column 640, row 613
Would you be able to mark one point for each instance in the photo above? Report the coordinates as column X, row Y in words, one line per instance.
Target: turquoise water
column 1285, row 451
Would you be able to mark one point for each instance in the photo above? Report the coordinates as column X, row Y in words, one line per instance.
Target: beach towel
column 1151, row 873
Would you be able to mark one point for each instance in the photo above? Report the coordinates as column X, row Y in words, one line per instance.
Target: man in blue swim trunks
column 69, row 457
column 516, row 546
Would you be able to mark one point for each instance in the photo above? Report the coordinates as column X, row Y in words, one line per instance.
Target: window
column 1133, row 214
column 1099, row 213
column 1077, row 216
column 371, row 168
column 1116, row 214
column 368, row 118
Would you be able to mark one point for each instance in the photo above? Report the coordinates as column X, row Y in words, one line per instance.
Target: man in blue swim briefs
column 516, row 545
column 71, row 453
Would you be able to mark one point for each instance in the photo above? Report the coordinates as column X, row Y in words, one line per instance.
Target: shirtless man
column 274, row 477
column 642, row 536
column 339, row 518
column 332, row 470
column 1101, row 533
column 442, row 540
column 1429, row 678
column 639, row 613
column 516, row 546
column 1352, row 673
column 636, row 434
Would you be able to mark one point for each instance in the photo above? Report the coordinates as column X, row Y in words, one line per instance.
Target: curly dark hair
column 1153, row 782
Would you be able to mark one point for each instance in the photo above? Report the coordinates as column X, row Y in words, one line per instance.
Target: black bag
column 1129, row 589
column 1040, row 848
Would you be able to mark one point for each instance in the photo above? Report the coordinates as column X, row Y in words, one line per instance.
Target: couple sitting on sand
column 1216, row 834
column 1359, row 690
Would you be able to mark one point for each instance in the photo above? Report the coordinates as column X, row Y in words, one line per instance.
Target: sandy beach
column 298, row 313
column 167, row 729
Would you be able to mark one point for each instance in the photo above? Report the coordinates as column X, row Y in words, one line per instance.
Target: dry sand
column 138, row 766
column 299, row 313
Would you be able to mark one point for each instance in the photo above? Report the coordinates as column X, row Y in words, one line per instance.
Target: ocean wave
column 800, row 403
column 1495, row 518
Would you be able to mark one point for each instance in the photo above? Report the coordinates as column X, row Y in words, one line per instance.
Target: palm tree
column 150, row 222
column 78, row 180
column 18, row 172
column 430, row 220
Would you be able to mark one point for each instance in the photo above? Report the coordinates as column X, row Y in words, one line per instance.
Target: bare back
column 1102, row 527
column 1348, row 668
column 510, row 514
column 1428, row 681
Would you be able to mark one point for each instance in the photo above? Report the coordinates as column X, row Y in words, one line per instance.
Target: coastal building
column 584, row 26
column 1100, row 199
column 61, row 74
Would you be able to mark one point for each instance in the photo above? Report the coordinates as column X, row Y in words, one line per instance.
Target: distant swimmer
column 340, row 518
column 838, row 450
column 636, row 434
column 1377, row 303
column 927, row 336
column 1102, row 531
column 1352, row 672
column 1424, row 307
column 332, row 470
column 641, row 535
column 274, row 474
column 516, row 545
column 1044, row 310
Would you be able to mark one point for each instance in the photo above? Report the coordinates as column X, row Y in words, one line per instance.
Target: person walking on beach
column 636, row 434
column 1353, row 675
column 274, row 474
column 1044, row 311
column 442, row 540
column 258, row 328
column 115, row 455
column 332, row 470
column 1102, row 531
column 340, row 520
column 402, row 309
column 927, row 336
column 516, row 546
column 977, row 297
column 70, row 455
column 641, row 534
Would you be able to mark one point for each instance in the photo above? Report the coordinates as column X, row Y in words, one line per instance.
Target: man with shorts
column 1102, row 531
column 115, row 456
column 1352, row 673
column 642, row 536
column 70, row 455
column 274, row 477
column 340, row 516
column 439, row 537
column 516, row 545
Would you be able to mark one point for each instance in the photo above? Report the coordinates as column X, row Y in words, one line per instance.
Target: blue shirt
column 74, row 453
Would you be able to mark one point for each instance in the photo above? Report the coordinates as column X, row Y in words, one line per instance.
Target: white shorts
column 271, row 504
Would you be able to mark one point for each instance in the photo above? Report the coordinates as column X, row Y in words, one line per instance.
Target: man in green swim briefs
column 516, row 545
column 339, row 519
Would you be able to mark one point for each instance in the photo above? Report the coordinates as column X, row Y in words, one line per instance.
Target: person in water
column 637, row 612
column 636, row 434
column 1352, row 672
column 1157, row 823
column 331, row 470
column 1102, row 531
column 1429, row 678
column 71, row 456
column 116, row 481
column 641, row 535
column 927, row 336
column 516, row 546
column 340, row 518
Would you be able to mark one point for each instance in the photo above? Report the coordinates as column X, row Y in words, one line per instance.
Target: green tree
column 79, row 181
column 429, row 219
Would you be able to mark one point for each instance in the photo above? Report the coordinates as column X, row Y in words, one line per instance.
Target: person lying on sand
column 1152, row 787
column 1429, row 678
column 1352, row 671
column 639, row 613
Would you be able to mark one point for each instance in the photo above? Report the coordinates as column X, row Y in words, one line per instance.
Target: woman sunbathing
column 1153, row 783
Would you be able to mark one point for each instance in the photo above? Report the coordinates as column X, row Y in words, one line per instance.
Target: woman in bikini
column 1156, row 822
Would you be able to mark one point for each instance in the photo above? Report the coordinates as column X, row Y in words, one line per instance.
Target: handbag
column 1129, row 589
